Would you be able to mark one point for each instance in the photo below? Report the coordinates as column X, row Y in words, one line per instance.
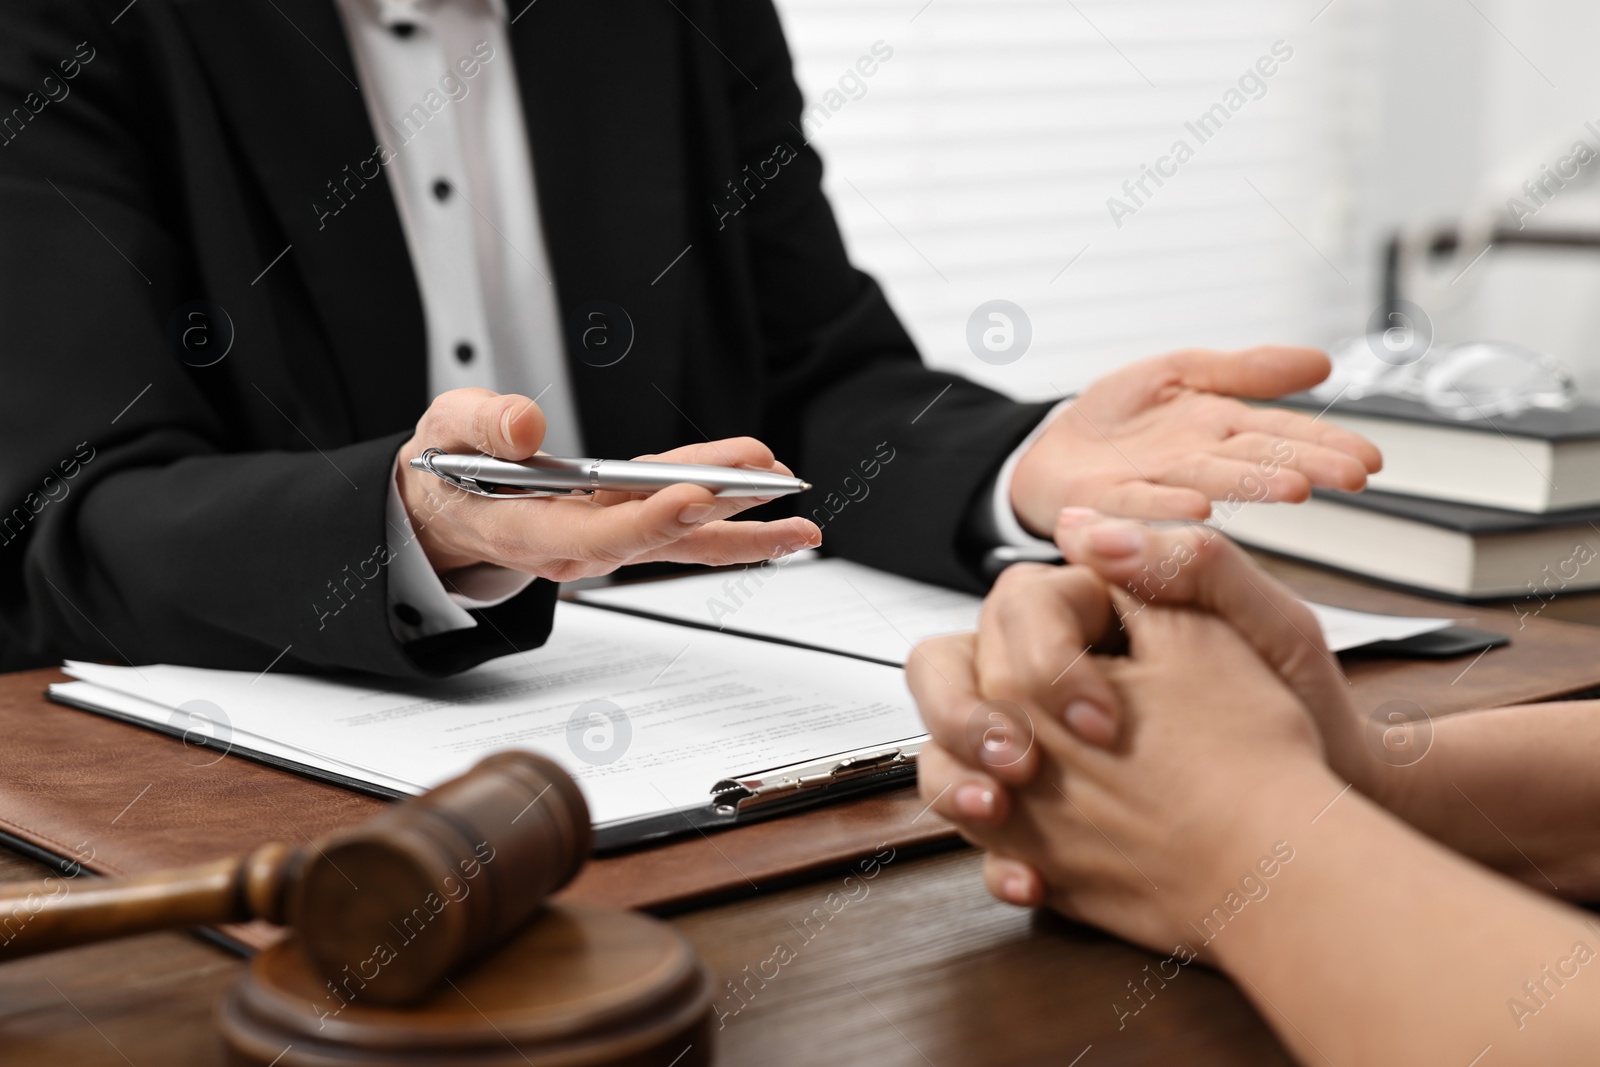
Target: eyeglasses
column 1472, row 380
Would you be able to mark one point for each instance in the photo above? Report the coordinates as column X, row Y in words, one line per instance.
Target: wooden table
column 922, row 968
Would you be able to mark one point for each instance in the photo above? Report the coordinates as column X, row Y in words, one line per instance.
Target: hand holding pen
column 442, row 475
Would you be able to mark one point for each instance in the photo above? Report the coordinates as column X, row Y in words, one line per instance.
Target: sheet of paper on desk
column 695, row 707
column 842, row 606
column 1346, row 629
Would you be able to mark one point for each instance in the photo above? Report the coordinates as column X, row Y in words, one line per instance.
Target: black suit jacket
column 219, row 515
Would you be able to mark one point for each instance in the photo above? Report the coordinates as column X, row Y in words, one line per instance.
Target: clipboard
column 736, row 800
column 748, row 798
column 668, row 731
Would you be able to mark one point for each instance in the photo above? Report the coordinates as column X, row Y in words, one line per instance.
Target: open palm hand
column 1164, row 437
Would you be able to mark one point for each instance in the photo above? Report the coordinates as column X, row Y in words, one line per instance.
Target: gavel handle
column 59, row 912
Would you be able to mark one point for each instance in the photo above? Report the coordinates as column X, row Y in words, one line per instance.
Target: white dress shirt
column 441, row 91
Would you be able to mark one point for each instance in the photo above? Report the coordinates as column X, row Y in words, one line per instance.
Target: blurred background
column 976, row 162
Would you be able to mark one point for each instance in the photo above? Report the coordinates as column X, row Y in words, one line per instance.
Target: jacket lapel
column 602, row 93
column 284, row 78
column 603, row 99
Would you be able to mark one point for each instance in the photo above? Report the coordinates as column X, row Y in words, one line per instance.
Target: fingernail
column 1090, row 722
column 975, row 802
column 1116, row 540
column 694, row 514
column 505, row 426
column 798, row 546
column 1076, row 516
column 1015, row 890
column 1001, row 753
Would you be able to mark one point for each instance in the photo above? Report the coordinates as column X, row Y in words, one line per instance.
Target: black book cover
column 1579, row 424
column 1465, row 518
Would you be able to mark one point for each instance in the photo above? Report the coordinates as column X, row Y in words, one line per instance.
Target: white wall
column 1469, row 114
column 977, row 162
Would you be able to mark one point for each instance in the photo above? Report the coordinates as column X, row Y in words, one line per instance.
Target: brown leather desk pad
column 126, row 800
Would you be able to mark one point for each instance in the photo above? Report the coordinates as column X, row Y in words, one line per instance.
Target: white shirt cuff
column 419, row 603
column 1006, row 524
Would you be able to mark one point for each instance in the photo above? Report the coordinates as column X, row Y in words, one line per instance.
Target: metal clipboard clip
column 806, row 783
column 485, row 487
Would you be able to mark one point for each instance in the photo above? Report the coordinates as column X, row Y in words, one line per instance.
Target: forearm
column 235, row 561
column 1514, row 788
column 1377, row 946
column 218, row 560
column 899, row 492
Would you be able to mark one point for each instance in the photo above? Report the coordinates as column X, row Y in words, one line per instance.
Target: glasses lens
column 1357, row 372
column 1482, row 379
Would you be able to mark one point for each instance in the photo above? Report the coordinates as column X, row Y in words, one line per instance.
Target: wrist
column 424, row 508
column 1349, row 757
column 1031, row 475
column 1029, row 501
column 1353, row 753
column 1256, row 838
column 1330, row 834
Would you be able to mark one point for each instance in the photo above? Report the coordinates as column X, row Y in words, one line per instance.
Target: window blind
column 978, row 150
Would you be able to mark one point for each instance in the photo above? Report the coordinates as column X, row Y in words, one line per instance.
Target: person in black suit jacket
column 161, row 156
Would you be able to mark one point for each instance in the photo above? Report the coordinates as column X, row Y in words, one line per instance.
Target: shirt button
column 441, row 189
column 408, row 614
column 464, row 353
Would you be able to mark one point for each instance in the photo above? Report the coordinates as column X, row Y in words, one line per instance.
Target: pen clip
column 484, row 487
column 787, row 785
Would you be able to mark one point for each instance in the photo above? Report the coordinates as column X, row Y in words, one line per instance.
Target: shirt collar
column 396, row 12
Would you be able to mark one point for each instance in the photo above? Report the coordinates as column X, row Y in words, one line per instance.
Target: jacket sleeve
column 138, row 522
column 901, row 454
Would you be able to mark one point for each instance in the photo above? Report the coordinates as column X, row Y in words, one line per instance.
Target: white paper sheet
column 1346, row 629
column 211, row 736
column 841, row 606
column 687, row 708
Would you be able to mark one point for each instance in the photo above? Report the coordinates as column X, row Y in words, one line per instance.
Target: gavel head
column 388, row 909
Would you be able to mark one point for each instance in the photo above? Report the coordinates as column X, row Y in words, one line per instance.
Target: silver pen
column 559, row 476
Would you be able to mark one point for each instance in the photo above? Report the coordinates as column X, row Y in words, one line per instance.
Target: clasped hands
column 1122, row 735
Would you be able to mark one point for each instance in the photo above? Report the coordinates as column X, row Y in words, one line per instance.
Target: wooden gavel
column 390, row 907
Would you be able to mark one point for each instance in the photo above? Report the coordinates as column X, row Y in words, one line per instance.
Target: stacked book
column 1479, row 509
